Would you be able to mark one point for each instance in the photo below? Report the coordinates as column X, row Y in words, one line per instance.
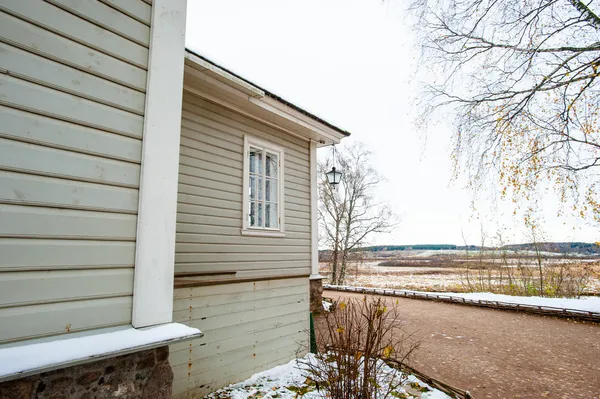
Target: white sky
column 354, row 63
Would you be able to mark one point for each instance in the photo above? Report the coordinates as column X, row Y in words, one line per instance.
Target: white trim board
column 155, row 246
column 314, row 215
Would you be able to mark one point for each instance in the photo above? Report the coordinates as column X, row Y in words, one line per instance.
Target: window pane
column 272, row 164
column 256, row 161
column 261, row 188
column 271, row 190
column 271, row 218
column 260, row 214
column 252, row 214
column 252, row 188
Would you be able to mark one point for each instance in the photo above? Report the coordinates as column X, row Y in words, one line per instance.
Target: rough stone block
column 316, row 295
column 140, row 375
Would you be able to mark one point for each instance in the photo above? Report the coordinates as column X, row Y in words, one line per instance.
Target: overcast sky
column 354, row 63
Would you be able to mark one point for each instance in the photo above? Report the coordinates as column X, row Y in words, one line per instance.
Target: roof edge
column 270, row 94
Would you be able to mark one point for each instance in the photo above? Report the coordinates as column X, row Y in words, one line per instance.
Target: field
column 512, row 272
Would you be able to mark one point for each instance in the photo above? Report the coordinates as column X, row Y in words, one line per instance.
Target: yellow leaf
column 387, row 351
column 340, row 329
column 342, row 305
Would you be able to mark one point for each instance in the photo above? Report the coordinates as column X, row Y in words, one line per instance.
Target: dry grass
column 514, row 274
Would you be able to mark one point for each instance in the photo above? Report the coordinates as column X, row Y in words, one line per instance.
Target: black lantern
column 333, row 176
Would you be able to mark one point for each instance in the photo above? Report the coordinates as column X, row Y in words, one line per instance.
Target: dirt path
column 502, row 354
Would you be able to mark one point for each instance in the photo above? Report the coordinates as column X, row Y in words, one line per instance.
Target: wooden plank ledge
column 180, row 283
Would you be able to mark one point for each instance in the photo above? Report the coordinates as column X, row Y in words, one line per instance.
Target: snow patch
column 285, row 381
column 327, row 305
column 46, row 354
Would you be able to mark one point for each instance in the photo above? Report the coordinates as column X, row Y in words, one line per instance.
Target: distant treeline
column 560, row 247
column 423, row 247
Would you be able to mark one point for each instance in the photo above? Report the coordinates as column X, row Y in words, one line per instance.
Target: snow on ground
column 289, row 381
column 327, row 305
column 588, row 303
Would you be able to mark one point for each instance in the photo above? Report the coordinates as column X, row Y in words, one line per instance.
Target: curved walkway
column 500, row 354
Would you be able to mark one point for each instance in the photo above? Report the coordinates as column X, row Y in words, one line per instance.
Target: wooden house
column 148, row 198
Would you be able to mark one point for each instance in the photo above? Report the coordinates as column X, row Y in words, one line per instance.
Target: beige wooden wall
column 72, row 98
column 248, row 327
column 209, row 211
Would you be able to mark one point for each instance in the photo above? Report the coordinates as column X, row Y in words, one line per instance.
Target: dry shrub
column 354, row 338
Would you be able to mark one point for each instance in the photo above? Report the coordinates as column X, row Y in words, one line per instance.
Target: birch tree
column 520, row 78
column 349, row 213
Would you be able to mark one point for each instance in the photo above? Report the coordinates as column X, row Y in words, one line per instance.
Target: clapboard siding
column 77, row 29
column 49, row 132
column 20, row 288
column 43, row 71
column 137, row 9
column 247, row 327
column 35, row 159
column 37, row 40
column 27, row 189
column 72, row 100
column 108, row 18
column 21, row 94
column 46, row 254
column 42, row 222
column 210, row 196
column 28, row 322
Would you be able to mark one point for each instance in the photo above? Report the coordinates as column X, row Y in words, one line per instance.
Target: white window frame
column 255, row 230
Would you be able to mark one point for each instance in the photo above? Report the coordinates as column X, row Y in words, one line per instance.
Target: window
column 263, row 188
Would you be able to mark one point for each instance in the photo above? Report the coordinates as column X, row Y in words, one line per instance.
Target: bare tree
column 348, row 212
column 520, row 78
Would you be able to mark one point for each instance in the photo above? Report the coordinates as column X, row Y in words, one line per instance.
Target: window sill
column 262, row 233
column 36, row 356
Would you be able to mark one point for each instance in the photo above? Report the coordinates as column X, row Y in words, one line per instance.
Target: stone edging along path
column 541, row 310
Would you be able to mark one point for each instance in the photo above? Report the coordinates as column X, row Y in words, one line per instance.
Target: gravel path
column 502, row 354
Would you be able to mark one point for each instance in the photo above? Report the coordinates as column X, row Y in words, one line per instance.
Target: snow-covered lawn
column 290, row 381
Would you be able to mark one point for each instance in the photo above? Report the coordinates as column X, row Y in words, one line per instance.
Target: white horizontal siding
column 247, row 327
column 72, row 99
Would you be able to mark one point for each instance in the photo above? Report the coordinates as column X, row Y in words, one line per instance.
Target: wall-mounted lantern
column 334, row 177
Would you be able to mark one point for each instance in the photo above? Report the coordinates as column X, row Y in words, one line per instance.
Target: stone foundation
column 316, row 295
column 140, row 375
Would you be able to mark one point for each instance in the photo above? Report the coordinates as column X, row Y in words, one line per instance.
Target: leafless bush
column 354, row 338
